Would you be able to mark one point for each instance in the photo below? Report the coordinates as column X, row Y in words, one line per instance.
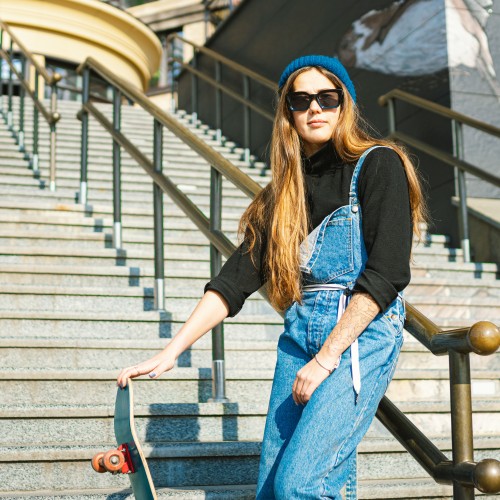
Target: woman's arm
column 209, row 312
column 359, row 313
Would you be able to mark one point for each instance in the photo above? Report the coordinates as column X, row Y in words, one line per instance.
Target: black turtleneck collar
column 321, row 161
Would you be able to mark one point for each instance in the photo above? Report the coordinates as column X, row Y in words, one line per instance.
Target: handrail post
column 10, row 117
column 194, row 91
column 462, row 190
column 85, row 136
column 461, row 418
column 171, row 69
column 117, row 203
column 159, row 291
column 1, row 68
column 22, row 93
column 218, row 363
column 35, row 159
column 53, row 135
column 246, row 119
column 218, row 102
column 391, row 110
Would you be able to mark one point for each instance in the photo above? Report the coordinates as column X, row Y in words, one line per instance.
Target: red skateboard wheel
column 113, row 460
column 97, row 464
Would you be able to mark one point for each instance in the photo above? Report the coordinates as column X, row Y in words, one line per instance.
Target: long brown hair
column 278, row 215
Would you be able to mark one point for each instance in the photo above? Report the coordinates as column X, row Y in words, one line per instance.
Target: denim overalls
column 309, row 452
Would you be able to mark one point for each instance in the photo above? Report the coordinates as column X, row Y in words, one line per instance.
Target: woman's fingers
column 153, row 367
column 306, row 382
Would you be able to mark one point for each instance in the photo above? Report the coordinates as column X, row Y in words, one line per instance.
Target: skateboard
column 128, row 458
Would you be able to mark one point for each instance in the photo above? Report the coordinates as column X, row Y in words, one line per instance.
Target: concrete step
column 457, row 270
column 56, row 298
column 99, row 257
column 125, row 325
column 44, row 210
column 129, row 198
column 181, row 228
column 190, row 464
column 185, row 169
column 138, row 184
column 443, row 287
column 199, row 422
column 20, row 352
column 467, row 308
column 185, row 385
column 416, row 488
column 19, row 237
column 97, row 276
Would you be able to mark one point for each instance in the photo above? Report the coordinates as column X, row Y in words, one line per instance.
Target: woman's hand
column 210, row 311
column 155, row 366
column 308, row 379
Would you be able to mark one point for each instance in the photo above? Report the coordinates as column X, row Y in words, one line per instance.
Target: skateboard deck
column 128, row 458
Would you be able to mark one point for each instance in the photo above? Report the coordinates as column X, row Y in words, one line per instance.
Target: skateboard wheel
column 97, row 464
column 113, row 460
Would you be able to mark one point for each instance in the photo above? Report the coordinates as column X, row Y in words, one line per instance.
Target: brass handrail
column 447, row 158
column 246, row 74
column 482, row 338
column 438, row 109
column 224, row 166
column 226, row 90
column 227, row 62
column 51, row 116
column 455, row 160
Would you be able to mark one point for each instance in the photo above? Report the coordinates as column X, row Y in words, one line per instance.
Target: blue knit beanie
column 331, row 64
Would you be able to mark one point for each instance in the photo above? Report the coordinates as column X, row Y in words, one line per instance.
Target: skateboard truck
column 117, row 461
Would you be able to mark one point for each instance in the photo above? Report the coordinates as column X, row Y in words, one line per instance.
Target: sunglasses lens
column 329, row 99
column 299, row 102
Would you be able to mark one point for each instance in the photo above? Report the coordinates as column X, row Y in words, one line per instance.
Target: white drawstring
column 343, row 302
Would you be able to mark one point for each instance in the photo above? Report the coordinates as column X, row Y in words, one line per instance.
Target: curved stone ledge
column 72, row 30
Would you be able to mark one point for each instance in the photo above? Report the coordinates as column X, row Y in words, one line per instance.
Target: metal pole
column 246, row 119
column 35, row 159
column 117, row 202
column 159, row 299
column 85, row 137
column 462, row 191
column 194, row 92
column 163, row 80
column 53, row 136
column 461, row 419
column 171, row 51
column 1, row 72
column 22, row 93
column 391, row 111
column 10, row 117
column 218, row 368
column 218, row 102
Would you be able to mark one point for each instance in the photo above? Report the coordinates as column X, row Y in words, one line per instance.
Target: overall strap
column 353, row 190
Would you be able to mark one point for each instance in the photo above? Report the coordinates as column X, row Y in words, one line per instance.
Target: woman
column 331, row 235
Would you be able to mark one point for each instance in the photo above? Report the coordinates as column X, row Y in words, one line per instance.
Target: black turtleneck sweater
column 386, row 221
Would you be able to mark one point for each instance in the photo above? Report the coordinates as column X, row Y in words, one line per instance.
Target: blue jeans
column 309, row 452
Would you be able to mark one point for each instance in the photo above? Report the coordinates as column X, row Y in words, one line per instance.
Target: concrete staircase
column 73, row 311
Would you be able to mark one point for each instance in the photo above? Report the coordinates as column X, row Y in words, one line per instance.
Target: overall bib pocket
column 336, row 236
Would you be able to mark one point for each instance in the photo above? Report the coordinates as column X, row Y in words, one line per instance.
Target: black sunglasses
column 327, row 99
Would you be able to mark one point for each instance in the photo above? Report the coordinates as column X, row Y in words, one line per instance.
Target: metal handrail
column 438, row 109
column 482, row 338
column 247, row 76
column 227, row 62
column 456, row 159
column 51, row 116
